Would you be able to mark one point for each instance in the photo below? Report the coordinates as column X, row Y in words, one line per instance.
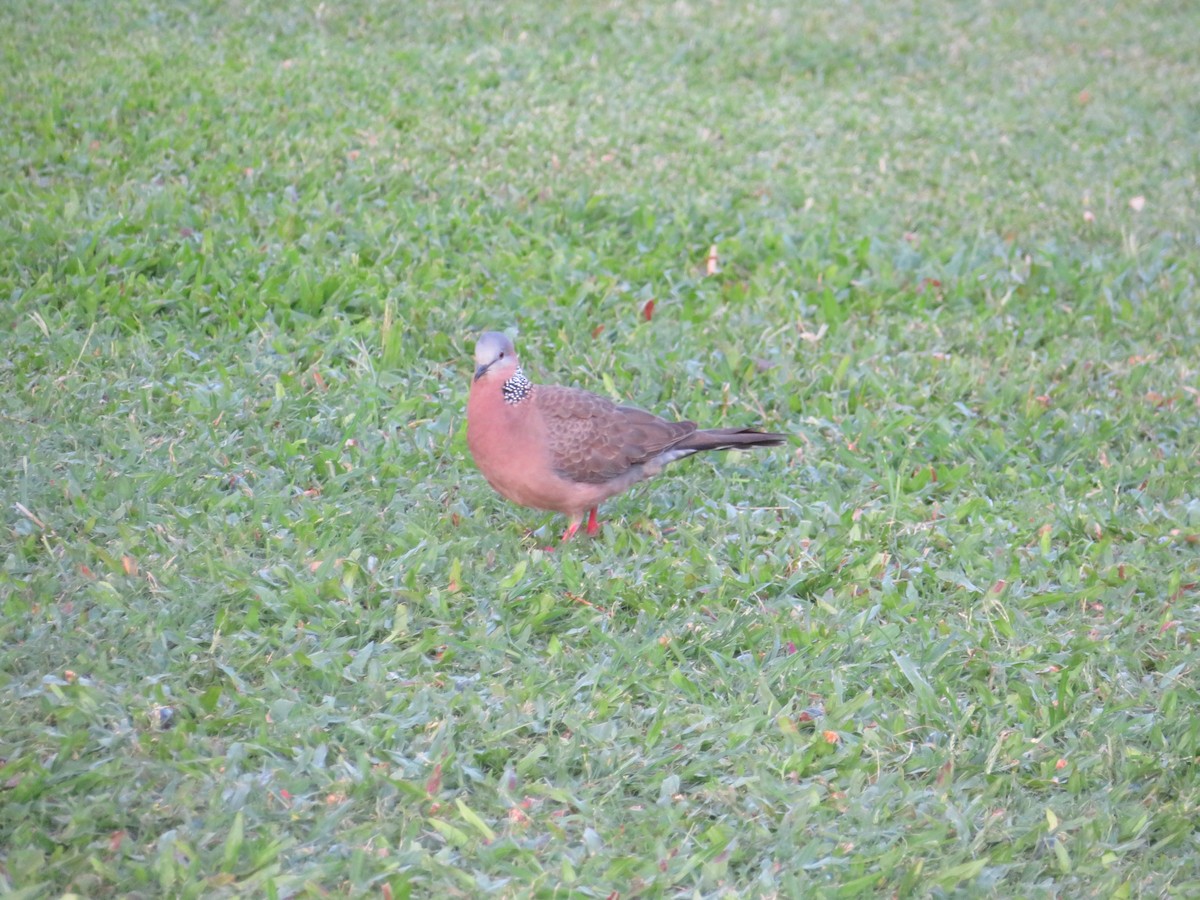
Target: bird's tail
column 729, row 439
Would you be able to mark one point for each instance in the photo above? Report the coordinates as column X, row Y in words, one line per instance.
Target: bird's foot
column 593, row 527
column 570, row 532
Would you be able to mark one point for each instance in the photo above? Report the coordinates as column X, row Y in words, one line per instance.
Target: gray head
column 495, row 356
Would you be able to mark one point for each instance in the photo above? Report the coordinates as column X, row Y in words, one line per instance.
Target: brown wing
column 593, row 440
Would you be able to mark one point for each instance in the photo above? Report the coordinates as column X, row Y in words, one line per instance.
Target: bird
column 566, row 449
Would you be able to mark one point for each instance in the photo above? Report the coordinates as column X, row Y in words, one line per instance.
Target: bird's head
column 495, row 356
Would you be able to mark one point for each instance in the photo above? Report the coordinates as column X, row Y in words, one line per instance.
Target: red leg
column 570, row 532
column 593, row 527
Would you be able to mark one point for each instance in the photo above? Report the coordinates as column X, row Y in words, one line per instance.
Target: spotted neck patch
column 517, row 387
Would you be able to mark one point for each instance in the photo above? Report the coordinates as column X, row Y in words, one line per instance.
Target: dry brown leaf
column 434, row 784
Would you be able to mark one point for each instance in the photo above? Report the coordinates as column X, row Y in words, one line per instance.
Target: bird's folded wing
column 592, row 440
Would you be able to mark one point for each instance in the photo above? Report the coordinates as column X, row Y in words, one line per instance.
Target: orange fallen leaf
column 1183, row 589
column 945, row 773
column 710, row 264
column 434, row 784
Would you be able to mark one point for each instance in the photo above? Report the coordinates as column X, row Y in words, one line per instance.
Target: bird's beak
column 480, row 371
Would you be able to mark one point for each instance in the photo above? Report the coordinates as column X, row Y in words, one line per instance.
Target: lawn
column 266, row 632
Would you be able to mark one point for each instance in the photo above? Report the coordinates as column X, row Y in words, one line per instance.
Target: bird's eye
column 501, row 354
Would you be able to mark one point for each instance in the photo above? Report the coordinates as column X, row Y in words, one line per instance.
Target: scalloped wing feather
column 592, row 440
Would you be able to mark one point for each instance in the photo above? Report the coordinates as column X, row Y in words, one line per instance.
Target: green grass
column 264, row 631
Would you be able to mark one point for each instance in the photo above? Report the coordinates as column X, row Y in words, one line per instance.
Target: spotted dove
column 566, row 449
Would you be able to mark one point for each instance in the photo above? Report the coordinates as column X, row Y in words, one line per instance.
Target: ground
column 264, row 631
